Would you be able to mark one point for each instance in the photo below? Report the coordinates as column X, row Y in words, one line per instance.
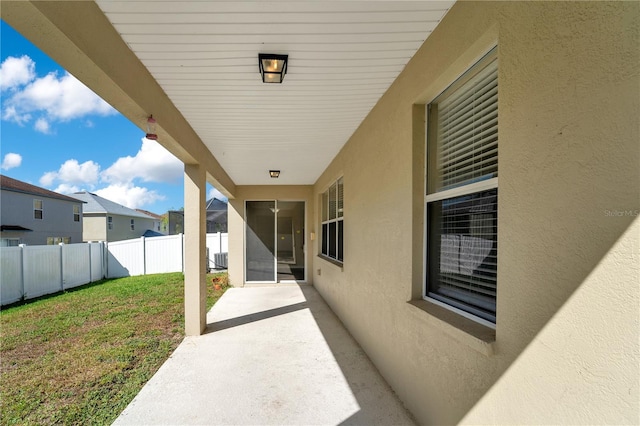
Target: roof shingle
column 15, row 185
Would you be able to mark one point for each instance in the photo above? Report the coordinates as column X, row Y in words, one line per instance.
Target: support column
column 195, row 288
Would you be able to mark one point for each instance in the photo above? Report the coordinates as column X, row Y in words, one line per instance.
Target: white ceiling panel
column 343, row 56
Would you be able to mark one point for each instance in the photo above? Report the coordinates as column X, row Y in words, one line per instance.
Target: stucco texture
column 566, row 338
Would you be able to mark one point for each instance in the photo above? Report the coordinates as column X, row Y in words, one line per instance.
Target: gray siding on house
column 16, row 209
column 98, row 210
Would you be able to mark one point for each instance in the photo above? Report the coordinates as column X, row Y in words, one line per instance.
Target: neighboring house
column 105, row 220
column 36, row 216
column 157, row 222
column 175, row 222
column 479, row 302
column 216, row 218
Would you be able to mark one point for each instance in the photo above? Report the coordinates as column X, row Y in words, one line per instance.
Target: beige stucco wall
column 566, row 346
column 236, row 212
column 94, row 228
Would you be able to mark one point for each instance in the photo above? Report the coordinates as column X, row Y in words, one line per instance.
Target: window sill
column 332, row 261
column 477, row 336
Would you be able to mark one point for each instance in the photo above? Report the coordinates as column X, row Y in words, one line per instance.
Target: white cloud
column 62, row 98
column 11, row 160
column 51, row 98
column 16, row 72
column 48, row 178
column 71, row 172
column 214, row 193
column 129, row 195
column 42, row 126
column 11, row 114
column 153, row 163
column 65, row 188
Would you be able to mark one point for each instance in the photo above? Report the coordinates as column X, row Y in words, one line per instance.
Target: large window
column 332, row 221
column 110, row 223
column 133, row 225
column 462, row 192
column 37, row 209
column 76, row 213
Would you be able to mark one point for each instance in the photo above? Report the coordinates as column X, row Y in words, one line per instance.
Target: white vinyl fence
column 32, row 271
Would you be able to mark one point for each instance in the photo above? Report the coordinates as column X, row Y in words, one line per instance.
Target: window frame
column 4, row 242
column 76, row 215
column 325, row 249
column 110, row 223
column 433, row 194
column 54, row 241
column 36, row 209
column 133, row 224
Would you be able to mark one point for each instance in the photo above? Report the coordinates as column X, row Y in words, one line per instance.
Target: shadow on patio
column 271, row 355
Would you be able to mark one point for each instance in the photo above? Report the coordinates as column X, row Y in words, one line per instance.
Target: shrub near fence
column 32, row 271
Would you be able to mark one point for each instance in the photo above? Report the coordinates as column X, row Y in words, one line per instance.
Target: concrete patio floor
column 271, row 356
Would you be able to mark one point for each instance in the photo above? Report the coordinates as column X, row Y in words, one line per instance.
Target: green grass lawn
column 81, row 356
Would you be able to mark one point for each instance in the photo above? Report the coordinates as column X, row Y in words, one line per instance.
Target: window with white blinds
column 462, row 192
column 332, row 221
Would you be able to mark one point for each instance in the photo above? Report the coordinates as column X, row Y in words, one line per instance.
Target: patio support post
column 195, row 291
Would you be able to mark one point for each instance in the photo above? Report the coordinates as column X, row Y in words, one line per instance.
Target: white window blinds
column 467, row 130
column 462, row 198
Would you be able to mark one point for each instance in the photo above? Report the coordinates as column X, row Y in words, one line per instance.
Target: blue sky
column 57, row 134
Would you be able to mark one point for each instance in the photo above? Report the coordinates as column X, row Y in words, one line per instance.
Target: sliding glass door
column 274, row 241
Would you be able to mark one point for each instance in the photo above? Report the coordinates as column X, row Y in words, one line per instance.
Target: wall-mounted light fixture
column 274, row 173
column 151, row 129
column 272, row 67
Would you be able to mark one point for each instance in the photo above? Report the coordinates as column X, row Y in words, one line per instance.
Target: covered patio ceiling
column 343, row 56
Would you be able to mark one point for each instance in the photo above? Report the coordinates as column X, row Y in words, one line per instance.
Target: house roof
column 15, row 185
column 148, row 213
column 97, row 204
column 14, row 228
column 214, row 204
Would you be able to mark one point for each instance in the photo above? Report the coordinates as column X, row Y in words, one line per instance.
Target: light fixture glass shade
column 151, row 129
column 272, row 67
column 274, row 173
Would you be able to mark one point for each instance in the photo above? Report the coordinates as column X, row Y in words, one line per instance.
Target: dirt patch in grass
column 80, row 357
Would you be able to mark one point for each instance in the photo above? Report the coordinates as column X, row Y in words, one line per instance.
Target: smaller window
column 9, row 242
column 133, row 226
column 110, row 223
column 37, row 209
column 76, row 213
column 332, row 221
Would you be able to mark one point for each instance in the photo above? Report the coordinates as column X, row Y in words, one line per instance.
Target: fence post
column 219, row 242
column 61, row 267
column 105, row 258
column 144, row 256
column 22, row 246
column 90, row 262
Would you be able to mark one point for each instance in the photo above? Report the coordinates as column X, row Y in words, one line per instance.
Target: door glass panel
column 260, row 256
column 290, row 241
